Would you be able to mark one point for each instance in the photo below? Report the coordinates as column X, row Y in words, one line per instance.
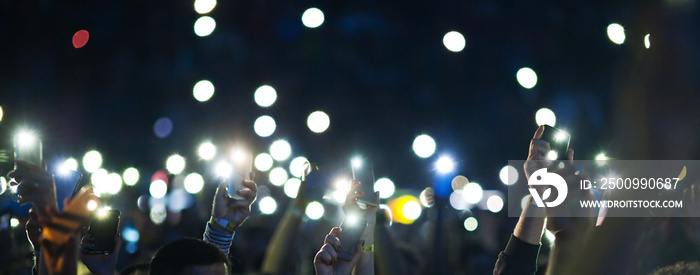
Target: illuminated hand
column 235, row 211
column 36, row 185
column 326, row 260
column 99, row 264
column 536, row 158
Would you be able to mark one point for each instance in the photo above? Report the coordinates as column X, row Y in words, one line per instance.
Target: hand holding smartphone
column 103, row 230
column 28, row 148
column 558, row 142
column 242, row 170
column 363, row 172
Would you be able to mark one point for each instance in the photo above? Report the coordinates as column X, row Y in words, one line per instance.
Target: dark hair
column 135, row 268
column 174, row 257
column 679, row 268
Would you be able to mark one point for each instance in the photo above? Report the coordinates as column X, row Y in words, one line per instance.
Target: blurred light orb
column 424, row 146
column 130, row 234
column 263, row 162
column 175, row 164
column 131, row 176
column 601, row 156
column 92, row 205
column 494, row 203
column 291, row 187
column 278, row 176
column 356, row 162
column 264, row 126
column 26, row 138
column 204, row 6
column 385, row 187
column 70, row 164
column 1, row 113
column 616, row 33
column 314, row 210
column 163, row 127
column 454, row 41
column 204, row 26
column 158, row 189
column 411, row 210
column 427, row 197
column 459, row 182
column 206, row 151
column 158, row 213
column 318, row 122
column 265, row 96
column 267, row 205
column 647, row 44
column 280, row 150
column 545, row 116
column 99, row 180
column 457, row 200
column 194, row 183
column 524, row 201
column 445, row 165
column 3, row 185
column 470, row 224
column 312, row 18
column 472, row 192
column 203, row 90
column 552, row 155
column 527, row 78
column 508, row 175
column 339, row 196
column 14, row 222
column 80, row 38
column 297, row 165
column 92, row 161
column 114, row 185
column 223, row 169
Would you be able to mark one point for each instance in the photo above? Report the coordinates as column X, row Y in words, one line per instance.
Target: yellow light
column 406, row 209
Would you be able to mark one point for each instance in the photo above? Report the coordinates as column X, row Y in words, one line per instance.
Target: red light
column 80, row 38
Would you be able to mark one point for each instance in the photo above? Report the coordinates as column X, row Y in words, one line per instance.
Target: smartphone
column 363, row 172
column 353, row 226
column 103, row 228
column 66, row 184
column 558, row 142
column 28, row 148
column 242, row 169
column 315, row 182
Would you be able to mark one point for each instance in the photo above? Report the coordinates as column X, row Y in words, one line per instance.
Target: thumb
column 357, row 254
column 221, row 191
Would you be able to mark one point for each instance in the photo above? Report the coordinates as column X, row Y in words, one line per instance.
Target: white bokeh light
column 385, row 187
column 263, row 162
column 312, row 18
column 472, row 192
column 194, row 183
column 424, row 146
column 92, row 161
column 264, row 126
column 267, row 205
column 204, row 6
column 508, row 175
column 131, row 176
column 457, row 200
column 175, row 164
column 265, row 96
column 223, row 169
column 114, row 183
column 445, row 165
column 203, row 90
column 545, row 116
column 297, row 165
column 204, row 26
column 494, row 203
column 280, row 150
column 647, row 41
column 99, row 180
column 291, row 187
column 411, row 210
column 70, row 164
column 158, row 189
column 206, row 151
column 278, row 176
column 470, row 224
column 314, row 210
column 318, row 122
column 526, row 77
column 616, row 33
column 454, row 41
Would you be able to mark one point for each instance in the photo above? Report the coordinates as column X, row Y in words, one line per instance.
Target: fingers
column 538, row 146
column 335, row 231
column 357, row 254
column 570, row 156
column 324, row 256
column 251, row 184
column 538, row 132
column 333, row 241
column 331, row 252
column 248, row 194
column 221, row 190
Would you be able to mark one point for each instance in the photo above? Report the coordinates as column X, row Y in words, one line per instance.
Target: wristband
column 368, row 248
column 223, row 224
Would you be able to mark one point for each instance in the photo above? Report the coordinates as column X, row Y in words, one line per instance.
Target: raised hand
column 99, row 264
column 326, row 260
column 235, row 211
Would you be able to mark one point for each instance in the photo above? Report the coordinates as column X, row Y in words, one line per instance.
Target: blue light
column 130, row 234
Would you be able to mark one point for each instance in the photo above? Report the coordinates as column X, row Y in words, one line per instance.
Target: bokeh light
column 457, row 200
column 280, row 150
column 527, row 78
column 175, row 164
column 203, row 90
column 385, row 187
column 80, row 38
column 494, row 203
column 163, row 127
column 92, row 161
column 206, row 151
column 508, row 175
column 459, row 182
column 264, row 126
column 158, row 213
column 158, row 189
column 278, row 176
column 204, row 6
column 616, row 33
column 424, row 146
column 263, row 162
column 472, row 192
column 647, row 44
column 194, row 183
column 312, row 18
column 267, row 205
column 314, row 210
column 265, row 96
column 406, row 209
column 444, row 165
column 318, row 122
column 14, row 222
column 412, row 210
column 70, row 164
column 545, row 116
column 1, row 113
column 427, row 197
column 223, row 169
column 204, row 26
column 291, row 187
column 131, row 176
column 92, row 205
column 454, row 41
column 470, row 224
column 114, row 183
column 297, row 165
column 130, row 234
